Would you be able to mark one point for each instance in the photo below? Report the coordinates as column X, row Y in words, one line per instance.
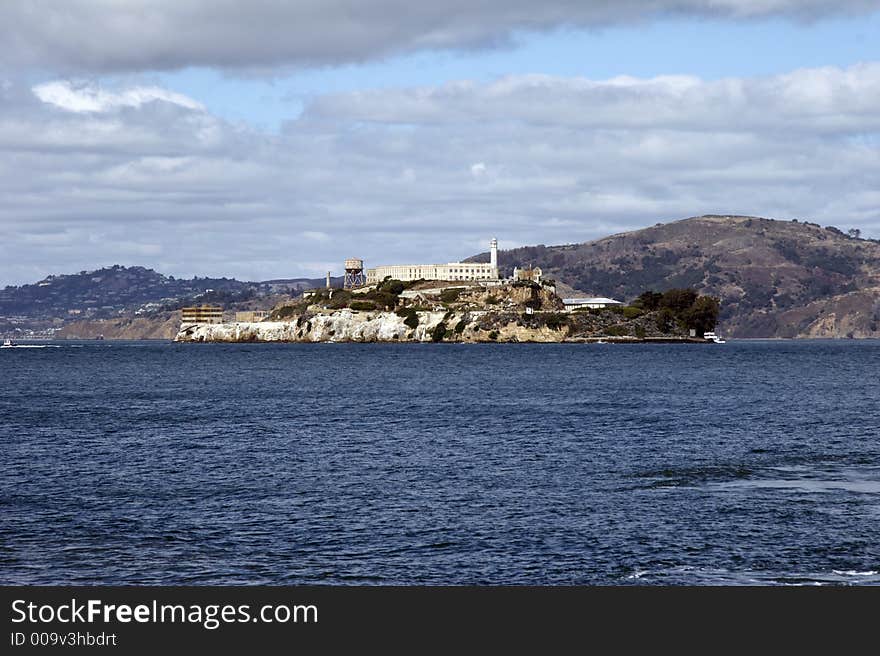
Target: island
column 468, row 311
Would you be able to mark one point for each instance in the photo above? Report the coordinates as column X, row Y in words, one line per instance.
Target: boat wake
column 687, row 575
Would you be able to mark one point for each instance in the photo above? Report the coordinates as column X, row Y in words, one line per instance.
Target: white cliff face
column 340, row 326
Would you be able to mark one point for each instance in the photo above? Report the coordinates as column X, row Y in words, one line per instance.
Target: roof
column 591, row 301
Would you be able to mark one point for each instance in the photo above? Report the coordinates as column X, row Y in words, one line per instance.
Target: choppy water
column 159, row 463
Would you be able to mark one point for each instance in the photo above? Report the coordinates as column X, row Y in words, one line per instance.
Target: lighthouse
column 493, row 255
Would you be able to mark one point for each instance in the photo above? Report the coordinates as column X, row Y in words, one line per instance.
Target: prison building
column 451, row 271
column 478, row 271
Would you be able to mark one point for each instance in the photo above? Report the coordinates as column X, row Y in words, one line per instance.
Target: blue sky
column 271, row 140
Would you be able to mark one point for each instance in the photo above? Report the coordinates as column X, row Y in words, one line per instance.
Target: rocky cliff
column 353, row 326
column 467, row 326
column 339, row 326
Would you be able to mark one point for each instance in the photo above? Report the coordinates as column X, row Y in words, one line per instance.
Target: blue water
column 160, row 463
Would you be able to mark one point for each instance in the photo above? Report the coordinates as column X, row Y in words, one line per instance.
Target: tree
column 665, row 319
column 391, row 285
column 648, row 300
column 450, row 295
column 855, row 233
column 678, row 300
column 703, row 314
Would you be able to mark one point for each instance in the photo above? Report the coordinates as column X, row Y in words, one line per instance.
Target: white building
column 572, row 304
column 451, row 271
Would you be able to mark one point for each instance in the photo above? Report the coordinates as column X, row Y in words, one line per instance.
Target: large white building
column 451, row 271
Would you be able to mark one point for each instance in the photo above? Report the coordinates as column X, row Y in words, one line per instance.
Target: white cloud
column 111, row 36
column 826, row 100
column 90, row 98
column 529, row 159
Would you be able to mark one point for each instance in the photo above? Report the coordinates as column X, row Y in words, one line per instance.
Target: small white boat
column 712, row 337
column 8, row 343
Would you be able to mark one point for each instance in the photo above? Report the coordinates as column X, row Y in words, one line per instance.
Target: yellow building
column 202, row 314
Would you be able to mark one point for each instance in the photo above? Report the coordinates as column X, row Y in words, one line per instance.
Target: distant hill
column 123, row 294
column 774, row 278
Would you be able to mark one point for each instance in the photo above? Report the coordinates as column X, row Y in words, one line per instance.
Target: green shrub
column 556, row 321
column 284, row 312
column 340, row 299
column 460, row 326
column 439, row 332
column 492, row 300
column 640, row 332
column 450, row 295
column 362, row 305
column 319, row 296
column 616, row 331
column 632, row 312
column 380, row 298
column 664, row 320
column 391, row 286
column 411, row 317
column 493, row 335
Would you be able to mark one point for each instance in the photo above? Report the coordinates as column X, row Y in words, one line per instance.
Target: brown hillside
column 774, row 278
column 164, row 326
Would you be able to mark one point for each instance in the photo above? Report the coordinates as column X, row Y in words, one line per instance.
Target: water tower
column 354, row 273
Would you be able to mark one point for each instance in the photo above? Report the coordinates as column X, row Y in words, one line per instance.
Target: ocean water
column 753, row 462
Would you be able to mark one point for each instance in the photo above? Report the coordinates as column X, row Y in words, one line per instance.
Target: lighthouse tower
column 493, row 255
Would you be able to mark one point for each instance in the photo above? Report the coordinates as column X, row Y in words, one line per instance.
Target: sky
column 266, row 140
